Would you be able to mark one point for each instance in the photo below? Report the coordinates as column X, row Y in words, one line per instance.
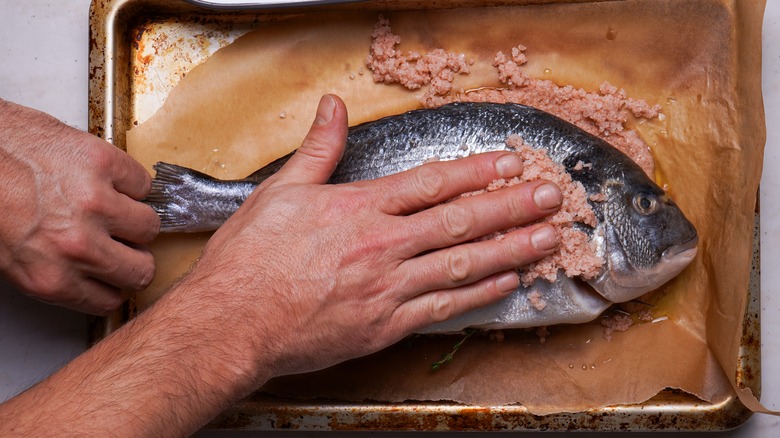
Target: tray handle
column 244, row 4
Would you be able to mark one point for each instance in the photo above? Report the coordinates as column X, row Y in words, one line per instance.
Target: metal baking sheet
column 140, row 49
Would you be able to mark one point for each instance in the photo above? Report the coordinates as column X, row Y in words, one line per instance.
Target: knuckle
column 152, row 227
column 516, row 208
column 431, row 183
column 143, row 179
column 484, row 173
column 441, row 307
column 104, row 305
column 48, row 286
column 92, row 200
column 375, row 314
column 458, row 265
column 316, row 147
column 75, row 244
column 99, row 156
column 146, row 273
column 152, row 230
column 364, row 244
column 351, row 200
column 138, row 184
column 519, row 254
column 457, row 220
column 380, row 340
column 520, row 250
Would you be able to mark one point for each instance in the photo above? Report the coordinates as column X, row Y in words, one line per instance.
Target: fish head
column 645, row 239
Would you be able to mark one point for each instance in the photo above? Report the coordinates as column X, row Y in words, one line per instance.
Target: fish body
column 642, row 234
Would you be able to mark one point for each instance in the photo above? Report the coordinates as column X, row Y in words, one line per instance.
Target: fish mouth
column 682, row 253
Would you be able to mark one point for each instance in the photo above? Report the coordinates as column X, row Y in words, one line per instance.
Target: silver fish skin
column 565, row 301
column 642, row 234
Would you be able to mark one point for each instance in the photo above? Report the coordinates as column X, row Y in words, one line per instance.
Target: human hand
column 306, row 275
column 73, row 233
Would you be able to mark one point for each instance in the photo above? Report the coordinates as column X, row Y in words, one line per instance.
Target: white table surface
column 43, row 64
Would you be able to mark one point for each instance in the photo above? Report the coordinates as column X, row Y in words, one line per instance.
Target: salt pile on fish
column 577, row 255
column 641, row 234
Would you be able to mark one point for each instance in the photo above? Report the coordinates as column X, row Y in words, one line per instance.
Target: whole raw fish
column 642, row 234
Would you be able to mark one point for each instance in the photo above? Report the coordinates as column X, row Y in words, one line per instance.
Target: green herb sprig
column 447, row 358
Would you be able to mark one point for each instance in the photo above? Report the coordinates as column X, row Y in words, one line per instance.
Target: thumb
column 321, row 150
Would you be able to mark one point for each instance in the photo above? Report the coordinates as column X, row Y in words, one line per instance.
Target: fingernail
column 325, row 110
column 507, row 282
column 509, row 165
column 543, row 239
column 547, row 196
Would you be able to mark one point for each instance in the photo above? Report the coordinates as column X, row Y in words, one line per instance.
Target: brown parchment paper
column 700, row 59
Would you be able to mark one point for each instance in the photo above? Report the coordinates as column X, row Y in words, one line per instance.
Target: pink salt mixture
column 615, row 323
column 412, row 70
column 576, row 255
column 536, row 300
column 602, row 113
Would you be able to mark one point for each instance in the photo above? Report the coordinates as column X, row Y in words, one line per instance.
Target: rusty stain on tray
column 163, row 53
column 669, row 410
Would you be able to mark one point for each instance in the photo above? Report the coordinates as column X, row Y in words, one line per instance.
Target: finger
column 321, row 150
column 128, row 175
column 98, row 298
column 468, row 263
column 87, row 295
column 119, row 265
column 433, row 183
column 131, row 221
column 441, row 305
column 475, row 216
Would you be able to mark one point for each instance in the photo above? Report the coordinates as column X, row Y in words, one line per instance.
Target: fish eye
column 645, row 204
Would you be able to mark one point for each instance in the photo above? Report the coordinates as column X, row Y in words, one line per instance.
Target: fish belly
column 566, row 301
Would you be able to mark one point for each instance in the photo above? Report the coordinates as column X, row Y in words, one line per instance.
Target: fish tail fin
column 190, row 201
column 166, row 195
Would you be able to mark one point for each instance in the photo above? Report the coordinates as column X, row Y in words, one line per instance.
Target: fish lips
column 626, row 287
column 684, row 253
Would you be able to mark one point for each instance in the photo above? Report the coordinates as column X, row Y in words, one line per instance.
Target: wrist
column 215, row 328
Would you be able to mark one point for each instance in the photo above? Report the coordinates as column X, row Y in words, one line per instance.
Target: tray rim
column 110, row 25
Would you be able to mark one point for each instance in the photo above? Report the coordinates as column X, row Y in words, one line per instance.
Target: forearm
column 165, row 373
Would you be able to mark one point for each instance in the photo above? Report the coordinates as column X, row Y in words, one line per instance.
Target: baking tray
column 140, row 49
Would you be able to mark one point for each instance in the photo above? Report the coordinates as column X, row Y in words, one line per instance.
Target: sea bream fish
column 641, row 233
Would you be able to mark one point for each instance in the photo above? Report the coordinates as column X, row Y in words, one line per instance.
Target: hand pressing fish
column 643, row 237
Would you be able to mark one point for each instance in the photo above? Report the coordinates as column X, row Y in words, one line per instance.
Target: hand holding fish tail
column 313, row 274
column 77, row 232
